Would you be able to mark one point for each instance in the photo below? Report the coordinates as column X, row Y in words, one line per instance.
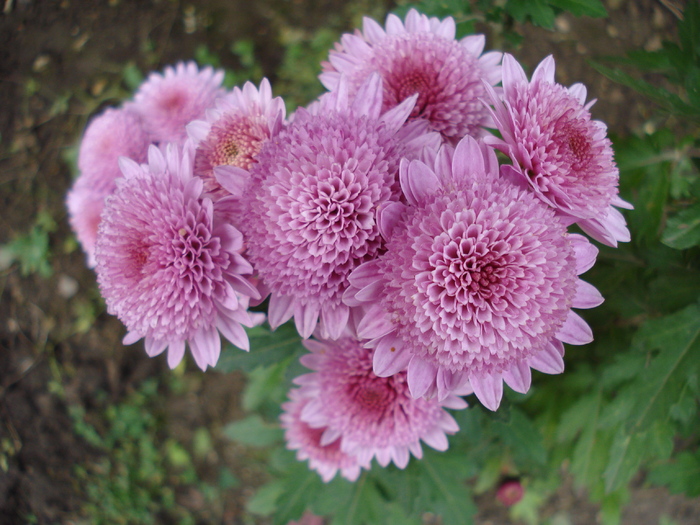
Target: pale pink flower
column 167, row 266
column 168, row 102
column 327, row 459
column 371, row 416
column 477, row 283
column 110, row 135
column 232, row 135
column 310, row 206
column 558, row 150
column 421, row 57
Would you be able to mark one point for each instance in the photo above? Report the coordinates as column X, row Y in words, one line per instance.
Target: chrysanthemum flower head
column 327, row 459
column 421, row 57
column 477, row 283
column 311, row 203
column 168, row 102
column 370, row 416
column 233, row 134
column 167, row 266
column 112, row 134
column 558, row 150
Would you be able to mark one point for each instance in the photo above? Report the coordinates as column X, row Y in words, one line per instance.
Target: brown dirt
column 60, row 62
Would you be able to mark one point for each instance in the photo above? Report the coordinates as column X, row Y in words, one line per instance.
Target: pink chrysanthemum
column 564, row 155
column 421, row 57
column 168, row 102
column 167, row 266
column 110, row 135
column 310, row 207
column 370, row 416
column 326, row 459
column 477, row 283
column 233, row 134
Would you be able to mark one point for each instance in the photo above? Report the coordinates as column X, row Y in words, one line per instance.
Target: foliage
column 136, row 479
column 31, row 251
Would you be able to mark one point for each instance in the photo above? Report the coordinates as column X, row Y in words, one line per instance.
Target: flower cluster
column 417, row 266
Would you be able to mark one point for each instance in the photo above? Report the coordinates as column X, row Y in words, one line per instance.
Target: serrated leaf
column 538, row 11
column 667, row 100
column 578, row 416
column 523, row 438
column 266, row 348
column 442, row 490
column 683, row 230
column 626, row 455
column 677, row 338
column 681, row 475
column 253, row 431
column 592, row 8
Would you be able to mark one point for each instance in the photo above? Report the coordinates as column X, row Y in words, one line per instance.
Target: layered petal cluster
column 477, row 283
column 167, row 267
column 326, row 459
column 233, row 134
column 169, row 101
column 365, row 416
column 310, row 210
column 421, row 57
column 557, row 149
column 110, row 135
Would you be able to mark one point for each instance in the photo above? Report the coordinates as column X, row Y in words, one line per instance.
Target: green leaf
column 592, row 8
column 442, row 489
column 681, row 476
column 523, row 438
column 264, row 501
column 667, row 100
column 677, row 339
column 253, row 431
column 537, row 11
column 266, row 348
column 683, row 230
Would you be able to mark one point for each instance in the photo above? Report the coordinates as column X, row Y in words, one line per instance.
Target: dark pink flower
column 325, row 458
column 233, row 134
column 421, row 57
column 563, row 155
column 310, row 207
column 168, row 102
column 477, row 283
column 168, row 267
column 112, row 134
column 370, row 416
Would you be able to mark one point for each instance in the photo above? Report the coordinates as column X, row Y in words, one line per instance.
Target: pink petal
column 388, row 217
column 306, row 319
column 418, row 181
column 368, row 101
column 390, row 356
column 549, row 360
column 421, row 378
column 233, row 331
column 130, row 338
column 518, row 377
column 584, row 251
column 544, row 72
column 587, row 296
column 176, row 351
column 334, row 321
column 488, row 389
column 575, row 330
column 512, row 74
column 280, row 310
column 232, row 178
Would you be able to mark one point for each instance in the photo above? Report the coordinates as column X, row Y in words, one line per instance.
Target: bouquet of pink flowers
column 413, row 222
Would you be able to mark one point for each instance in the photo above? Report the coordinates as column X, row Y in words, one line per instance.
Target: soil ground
column 60, row 62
